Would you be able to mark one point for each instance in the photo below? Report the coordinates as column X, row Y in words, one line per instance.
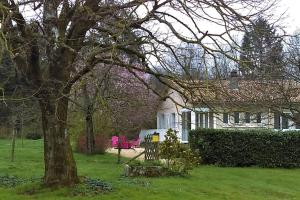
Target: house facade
column 176, row 113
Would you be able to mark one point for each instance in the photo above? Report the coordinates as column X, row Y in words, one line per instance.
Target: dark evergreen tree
column 13, row 106
column 7, row 74
column 6, row 86
column 261, row 54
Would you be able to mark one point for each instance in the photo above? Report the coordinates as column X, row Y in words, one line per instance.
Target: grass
column 205, row 182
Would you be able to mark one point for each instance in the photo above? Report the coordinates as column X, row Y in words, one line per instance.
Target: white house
column 182, row 114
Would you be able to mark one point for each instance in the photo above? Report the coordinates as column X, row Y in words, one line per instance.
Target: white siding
column 168, row 109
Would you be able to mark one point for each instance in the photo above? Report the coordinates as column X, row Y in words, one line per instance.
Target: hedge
column 242, row 148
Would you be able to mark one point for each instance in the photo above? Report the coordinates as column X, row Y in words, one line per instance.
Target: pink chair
column 123, row 143
column 114, row 141
column 135, row 143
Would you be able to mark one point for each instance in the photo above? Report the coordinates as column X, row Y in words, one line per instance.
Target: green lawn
column 205, row 182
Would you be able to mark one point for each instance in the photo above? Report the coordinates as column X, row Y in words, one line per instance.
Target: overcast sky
column 292, row 22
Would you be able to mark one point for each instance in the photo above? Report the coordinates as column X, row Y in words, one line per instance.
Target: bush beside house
column 242, row 148
column 179, row 158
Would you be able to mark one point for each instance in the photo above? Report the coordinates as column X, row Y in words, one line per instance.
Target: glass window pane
column 161, row 121
column 206, row 120
column 247, row 117
column 258, row 117
column 225, row 118
column 236, row 117
column 201, row 120
column 197, row 120
column 211, row 120
column 276, row 120
column 297, row 120
column 173, row 125
column 189, row 120
column 285, row 122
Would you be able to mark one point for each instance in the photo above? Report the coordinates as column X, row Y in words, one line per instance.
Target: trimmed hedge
column 242, row 148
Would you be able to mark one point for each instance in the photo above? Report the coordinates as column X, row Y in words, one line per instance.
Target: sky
column 292, row 21
column 292, row 9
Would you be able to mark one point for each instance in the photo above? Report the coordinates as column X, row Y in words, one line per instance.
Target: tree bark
column 13, row 145
column 89, row 126
column 60, row 166
column 119, row 149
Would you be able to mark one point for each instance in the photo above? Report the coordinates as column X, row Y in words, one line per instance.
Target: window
column 211, row 120
column 172, row 121
column 297, row 121
column 206, row 120
column 258, row 117
column 280, row 121
column 285, row 122
column 161, row 121
column 225, row 118
column 199, row 120
column 247, row 117
column 236, row 116
column 276, row 120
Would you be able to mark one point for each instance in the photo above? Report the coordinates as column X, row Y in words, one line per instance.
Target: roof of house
column 238, row 91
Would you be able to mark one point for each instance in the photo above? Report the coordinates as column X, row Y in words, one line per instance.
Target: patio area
column 128, row 153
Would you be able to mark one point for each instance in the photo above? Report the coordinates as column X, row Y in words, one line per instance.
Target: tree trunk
column 89, row 126
column 13, row 146
column 90, row 138
column 119, row 149
column 60, row 166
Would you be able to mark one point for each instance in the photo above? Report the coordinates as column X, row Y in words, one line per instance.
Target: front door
column 186, row 125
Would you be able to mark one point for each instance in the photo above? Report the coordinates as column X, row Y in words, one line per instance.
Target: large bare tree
column 45, row 38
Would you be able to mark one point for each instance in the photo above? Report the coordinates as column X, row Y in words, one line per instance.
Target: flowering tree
column 121, row 97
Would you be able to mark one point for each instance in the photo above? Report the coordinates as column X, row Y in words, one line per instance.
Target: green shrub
column 264, row 148
column 13, row 181
column 179, row 157
column 91, row 187
column 33, row 136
